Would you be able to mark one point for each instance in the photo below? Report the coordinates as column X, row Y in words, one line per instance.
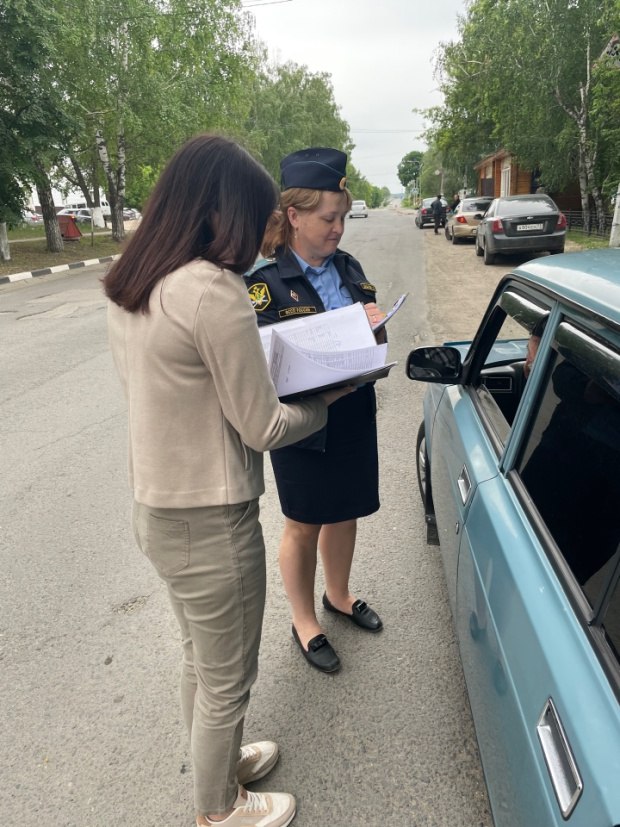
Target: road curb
column 46, row 271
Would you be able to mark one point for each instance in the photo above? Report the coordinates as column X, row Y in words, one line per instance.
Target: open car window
column 500, row 366
column 569, row 464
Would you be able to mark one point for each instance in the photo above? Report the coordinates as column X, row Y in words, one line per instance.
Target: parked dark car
column 518, row 460
column 424, row 214
column 520, row 224
column 130, row 214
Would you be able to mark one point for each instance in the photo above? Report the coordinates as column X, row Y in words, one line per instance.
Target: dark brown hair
column 212, row 201
column 279, row 230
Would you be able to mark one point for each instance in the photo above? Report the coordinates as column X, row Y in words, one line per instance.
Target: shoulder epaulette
column 259, row 264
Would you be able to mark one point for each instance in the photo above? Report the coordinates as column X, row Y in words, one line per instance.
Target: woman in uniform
column 325, row 482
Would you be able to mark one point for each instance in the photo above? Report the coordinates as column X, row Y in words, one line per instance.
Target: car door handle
column 464, row 484
column 561, row 764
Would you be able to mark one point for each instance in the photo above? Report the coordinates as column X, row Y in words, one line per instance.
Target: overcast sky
column 379, row 54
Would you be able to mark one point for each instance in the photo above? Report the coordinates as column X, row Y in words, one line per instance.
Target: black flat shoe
column 362, row 615
column 320, row 653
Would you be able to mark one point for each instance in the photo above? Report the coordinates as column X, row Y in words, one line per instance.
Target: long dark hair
column 212, row 201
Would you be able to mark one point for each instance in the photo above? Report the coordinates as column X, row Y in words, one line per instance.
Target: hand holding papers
column 397, row 305
column 313, row 353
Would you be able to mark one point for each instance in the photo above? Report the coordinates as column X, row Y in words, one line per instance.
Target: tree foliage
column 33, row 113
column 292, row 108
column 409, row 167
column 524, row 76
column 99, row 100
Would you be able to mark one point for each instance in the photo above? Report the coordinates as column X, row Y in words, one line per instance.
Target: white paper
column 294, row 369
column 345, row 327
column 312, row 352
column 396, row 306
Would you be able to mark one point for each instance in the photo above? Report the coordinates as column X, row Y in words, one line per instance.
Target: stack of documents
column 327, row 350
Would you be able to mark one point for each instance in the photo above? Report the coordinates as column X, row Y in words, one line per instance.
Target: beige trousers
column 212, row 560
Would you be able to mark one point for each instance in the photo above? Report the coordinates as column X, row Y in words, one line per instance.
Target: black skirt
column 341, row 482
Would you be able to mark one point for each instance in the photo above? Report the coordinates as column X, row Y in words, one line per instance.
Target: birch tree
column 525, row 74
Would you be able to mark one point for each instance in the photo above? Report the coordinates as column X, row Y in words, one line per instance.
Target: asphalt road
column 89, row 649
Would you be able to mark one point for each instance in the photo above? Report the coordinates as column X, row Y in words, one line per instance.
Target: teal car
column 518, row 462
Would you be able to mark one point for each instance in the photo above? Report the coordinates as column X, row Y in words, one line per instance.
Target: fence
column 576, row 223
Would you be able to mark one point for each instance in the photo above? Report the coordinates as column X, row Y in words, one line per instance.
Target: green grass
column 585, row 241
column 31, row 254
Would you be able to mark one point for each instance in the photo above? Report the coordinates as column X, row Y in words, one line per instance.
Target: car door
column 536, row 665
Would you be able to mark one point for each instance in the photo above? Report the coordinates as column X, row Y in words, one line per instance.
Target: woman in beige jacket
column 202, row 409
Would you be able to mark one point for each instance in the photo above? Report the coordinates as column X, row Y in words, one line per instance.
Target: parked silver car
column 464, row 220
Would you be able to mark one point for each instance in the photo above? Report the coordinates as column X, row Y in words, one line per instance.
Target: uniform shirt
column 280, row 290
column 327, row 283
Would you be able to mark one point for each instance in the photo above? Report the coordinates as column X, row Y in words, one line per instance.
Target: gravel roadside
column 459, row 286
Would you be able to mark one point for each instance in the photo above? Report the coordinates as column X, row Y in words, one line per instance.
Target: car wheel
column 447, row 234
column 422, row 466
column 454, row 239
column 489, row 258
column 479, row 250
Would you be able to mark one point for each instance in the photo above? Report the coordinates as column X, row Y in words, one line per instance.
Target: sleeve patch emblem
column 259, row 296
column 367, row 287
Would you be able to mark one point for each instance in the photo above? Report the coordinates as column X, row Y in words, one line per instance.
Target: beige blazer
column 202, row 407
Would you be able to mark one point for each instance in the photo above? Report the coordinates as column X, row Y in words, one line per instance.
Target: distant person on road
column 455, row 201
column 325, row 483
column 439, row 213
column 202, row 408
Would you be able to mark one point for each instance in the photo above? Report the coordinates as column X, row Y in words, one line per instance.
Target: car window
column 497, row 370
column 569, row 465
column 524, row 206
column 471, row 205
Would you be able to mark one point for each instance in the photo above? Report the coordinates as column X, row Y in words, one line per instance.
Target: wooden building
column 500, row 174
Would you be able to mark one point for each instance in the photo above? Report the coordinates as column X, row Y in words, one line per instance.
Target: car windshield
column 525, row 206
column 359, row 203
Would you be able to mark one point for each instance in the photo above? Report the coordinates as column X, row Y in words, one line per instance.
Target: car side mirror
column 435, row 364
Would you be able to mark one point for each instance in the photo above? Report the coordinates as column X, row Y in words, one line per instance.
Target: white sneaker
column 259, row 810
column 256, row 760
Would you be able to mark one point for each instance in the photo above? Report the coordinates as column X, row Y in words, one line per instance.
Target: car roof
column 590, row 279
column 533, row 196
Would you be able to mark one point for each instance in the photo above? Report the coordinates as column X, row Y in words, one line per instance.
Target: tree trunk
column 81, row 182
column 614, row 238
column 5, row 250
column 600, row 209
column 55, row 243
column 583, row 193
column 116, row 208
